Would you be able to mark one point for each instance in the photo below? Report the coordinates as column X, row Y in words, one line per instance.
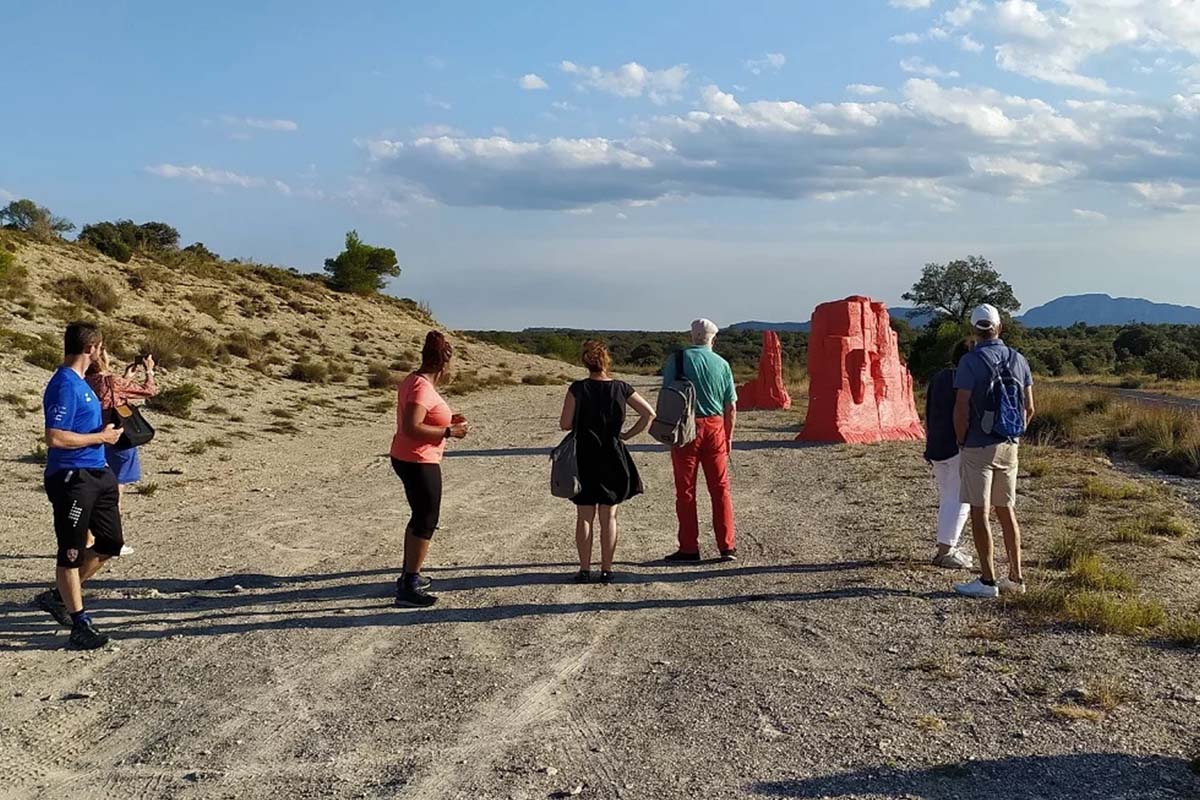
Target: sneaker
column 126, row 550
column 955, row 559
column 729, row 555
column 583, row 576
column 606, row 576
column 422, row 582
column 49, row 602
column 1009, row 586
column 977, row 588
column 414, row 598
column 679, row 555
column 86, row 637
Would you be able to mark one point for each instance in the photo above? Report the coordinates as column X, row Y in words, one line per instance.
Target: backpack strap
column 679, row 365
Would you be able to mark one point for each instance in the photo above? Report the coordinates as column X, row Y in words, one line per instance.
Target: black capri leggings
column 423, row 487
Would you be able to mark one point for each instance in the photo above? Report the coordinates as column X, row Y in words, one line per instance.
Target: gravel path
column 259, row 655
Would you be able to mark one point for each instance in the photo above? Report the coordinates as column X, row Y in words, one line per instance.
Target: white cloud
column 970, row 45
column 532, row 82
column 917, row 66
column 865, row 89
column 284, row 125
column 221, row 178
column 910, row 5
column 1088, row 215
column 1187, row 106
column 563, row 105
column 771, row 61
column 631, row 80
column 906, row 38
column 962, row 14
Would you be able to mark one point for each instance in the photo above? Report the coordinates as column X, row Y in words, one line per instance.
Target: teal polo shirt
column 710, row 374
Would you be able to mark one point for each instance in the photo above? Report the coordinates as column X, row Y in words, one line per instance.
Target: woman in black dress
column 595, row 410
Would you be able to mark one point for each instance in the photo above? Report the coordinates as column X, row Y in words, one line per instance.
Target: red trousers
column 710, row 450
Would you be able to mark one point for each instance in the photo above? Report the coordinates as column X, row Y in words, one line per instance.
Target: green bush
column 95, row 292
column 361, row 268
column 243, row 344
column 45, row 356
column 177, row 347
column 28, row 216
column 121, row 239
column 309, row 372
column 380, row 377
column 208, row 303
column 176, row 401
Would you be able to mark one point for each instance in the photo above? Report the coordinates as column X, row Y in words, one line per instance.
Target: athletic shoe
column 1009, row 586
column 606, row 576
column 583, row 576
column 729, row 555
column 86, row 637
column 414, row 598
column 423, row 583
column 977, row 588
column 955, row 559
column 679, row 555
column 49, row 602
column 126, row 550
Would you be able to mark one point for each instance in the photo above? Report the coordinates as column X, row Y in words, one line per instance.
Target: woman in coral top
column 423, row 424
column 114, row 391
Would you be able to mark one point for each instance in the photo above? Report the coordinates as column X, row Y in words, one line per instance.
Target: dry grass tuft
column 1089, row 572
column 930, row 722
column 1074, row 713
column 1066, row 548
column 1183, row 632
column 1100, row 490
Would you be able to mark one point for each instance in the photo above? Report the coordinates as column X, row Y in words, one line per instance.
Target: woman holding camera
column 115, row 391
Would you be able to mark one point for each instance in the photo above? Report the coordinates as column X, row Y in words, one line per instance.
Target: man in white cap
column 993, row 406
column 716, row 415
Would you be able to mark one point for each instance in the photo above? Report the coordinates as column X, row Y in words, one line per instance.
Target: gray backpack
column 564, row 465
column 675, row 415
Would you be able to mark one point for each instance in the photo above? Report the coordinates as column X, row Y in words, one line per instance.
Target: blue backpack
column 1002, row 412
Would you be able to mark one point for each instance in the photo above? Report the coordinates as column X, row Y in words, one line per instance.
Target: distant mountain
column 918, row 321
column 1101, row 309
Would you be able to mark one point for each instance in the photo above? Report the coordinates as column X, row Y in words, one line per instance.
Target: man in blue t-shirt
column 988, row 461
column 81, row 487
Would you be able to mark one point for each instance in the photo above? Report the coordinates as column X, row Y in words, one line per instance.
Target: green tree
column 198, row 249
column 157, row 236
column 361, row 268
column 110, row 239
column 951, row 291
column 28, row 216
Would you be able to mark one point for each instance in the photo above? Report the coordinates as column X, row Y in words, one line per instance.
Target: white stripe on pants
column 952, row 512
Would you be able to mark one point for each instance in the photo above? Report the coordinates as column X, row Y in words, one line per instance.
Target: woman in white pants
column 941, row 450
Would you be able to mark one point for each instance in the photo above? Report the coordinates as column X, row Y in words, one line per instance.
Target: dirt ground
column 258, row 654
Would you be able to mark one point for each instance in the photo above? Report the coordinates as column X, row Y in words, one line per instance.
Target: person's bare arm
column 566, row 420
column 412, row 424
column 69, row 440
column 962, row 415
column 730, row 424
column 1029, row 405
column 645, row 416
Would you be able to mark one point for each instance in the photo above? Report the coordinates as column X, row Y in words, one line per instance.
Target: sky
column 630, row 165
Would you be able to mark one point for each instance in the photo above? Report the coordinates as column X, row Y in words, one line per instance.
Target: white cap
column 985, row 317
column 703, row 330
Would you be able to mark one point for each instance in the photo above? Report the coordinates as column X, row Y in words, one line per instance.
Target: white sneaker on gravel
column 1008, row 586
column 977, row 588
column 955, row 559
column 126, row 550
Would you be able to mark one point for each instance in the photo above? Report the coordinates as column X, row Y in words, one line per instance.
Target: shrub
column 380, row 377
column 1104, row 614
column 1183, row 632
column 537, row 379
column 199, row 250
column 28, row 216
column 208, row 303
column 309, row 372
column 1089, row 572
column 95, row 292
column 177, row 347
column 1170, row 525
column 339, row 371
column 1066, row 548
column 45, row 356
column 361, row 268
column 176, row 401
column 1038, row 468
column 106, row 237
column 243, row 344
column 1101, row 490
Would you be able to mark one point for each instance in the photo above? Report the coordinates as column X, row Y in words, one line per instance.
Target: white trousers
column 952, row 512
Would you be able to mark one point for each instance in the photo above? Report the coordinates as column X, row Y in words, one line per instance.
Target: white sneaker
column 126, row 550
column 955, row 559
column 977, row 588
column 1008, row 586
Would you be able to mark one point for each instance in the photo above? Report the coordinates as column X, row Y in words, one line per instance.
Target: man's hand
column 111, row 434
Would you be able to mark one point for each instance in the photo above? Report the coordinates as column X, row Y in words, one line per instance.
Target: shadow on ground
column 1111, row 776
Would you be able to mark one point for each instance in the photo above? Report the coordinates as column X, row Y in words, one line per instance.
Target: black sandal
column 583, row 576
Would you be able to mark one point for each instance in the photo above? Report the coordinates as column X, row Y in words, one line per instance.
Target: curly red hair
column 437, row 352
column 596, row 357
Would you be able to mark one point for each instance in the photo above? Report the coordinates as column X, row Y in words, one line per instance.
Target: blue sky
column 631, row 164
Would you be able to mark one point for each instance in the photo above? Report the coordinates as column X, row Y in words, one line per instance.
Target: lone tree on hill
column 361, row 268
column 951, row 291
column 123, row 238
column 28, row 216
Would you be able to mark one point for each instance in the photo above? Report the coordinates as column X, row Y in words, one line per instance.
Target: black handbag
column 135, row 430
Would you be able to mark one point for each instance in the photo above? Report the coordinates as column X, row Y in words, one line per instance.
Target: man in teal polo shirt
column 716, row 416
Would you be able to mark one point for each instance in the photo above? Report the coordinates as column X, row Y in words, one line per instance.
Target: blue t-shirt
column 710, row 374
column 70, row 405
column 974, row 373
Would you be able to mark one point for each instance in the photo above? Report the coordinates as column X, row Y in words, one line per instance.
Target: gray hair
column 703, row 331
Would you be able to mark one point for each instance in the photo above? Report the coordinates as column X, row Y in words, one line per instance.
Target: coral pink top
column 418, row 389
column 121, row 390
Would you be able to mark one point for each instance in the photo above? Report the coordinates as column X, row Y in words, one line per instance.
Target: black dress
column 607, row 473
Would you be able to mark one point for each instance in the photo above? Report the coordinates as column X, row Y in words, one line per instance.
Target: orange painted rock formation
column 859, row 389
column 767, row 391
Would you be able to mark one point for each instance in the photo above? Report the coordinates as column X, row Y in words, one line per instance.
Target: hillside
column 918, row 321
column 235, row 332
column 1103, row 309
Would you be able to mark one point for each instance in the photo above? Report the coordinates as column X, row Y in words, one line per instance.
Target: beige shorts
column 989, row 475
